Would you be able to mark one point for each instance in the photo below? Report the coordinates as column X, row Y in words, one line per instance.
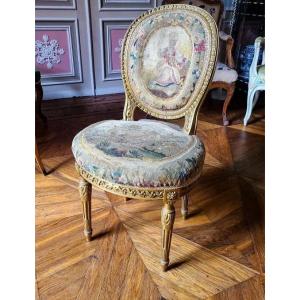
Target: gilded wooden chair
column 225, row 74
column 168, row 60
column 256, row 78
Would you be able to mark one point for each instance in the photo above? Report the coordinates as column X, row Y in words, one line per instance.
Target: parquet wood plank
column 248, row 290
column 65, row 263
column 118, row 272
column 56, row 200
column 215, row 220
column 200, row 272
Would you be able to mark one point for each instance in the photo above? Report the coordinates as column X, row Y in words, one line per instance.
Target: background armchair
column 225, row 74
column 256, row 78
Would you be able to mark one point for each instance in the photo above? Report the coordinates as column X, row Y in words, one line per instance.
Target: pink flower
column 200, row 46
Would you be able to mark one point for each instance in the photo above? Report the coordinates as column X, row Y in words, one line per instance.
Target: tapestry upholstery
column 168, row 58
column 144, row 153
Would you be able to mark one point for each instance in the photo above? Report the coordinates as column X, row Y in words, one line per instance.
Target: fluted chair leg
column 85, row 191
column 167, row 221
column 184, row 206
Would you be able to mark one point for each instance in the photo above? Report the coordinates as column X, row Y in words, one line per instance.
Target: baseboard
column 84, row 106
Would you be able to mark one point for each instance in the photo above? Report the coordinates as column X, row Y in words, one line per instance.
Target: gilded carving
column 129, row 109
column 199, row 90
column 184, row 206
column 167, row 221
column 85, row 191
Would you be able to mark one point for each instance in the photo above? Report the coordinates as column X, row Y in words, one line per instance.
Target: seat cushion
column 225, row 74
column 143, row 153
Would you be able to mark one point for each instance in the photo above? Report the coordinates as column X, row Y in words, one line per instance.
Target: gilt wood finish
column 216, row 3
column 217, row 253
column 189, row 111
column 85, row 191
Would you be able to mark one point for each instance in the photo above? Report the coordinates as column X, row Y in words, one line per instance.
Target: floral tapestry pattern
column 139, row 153
column 166, row 57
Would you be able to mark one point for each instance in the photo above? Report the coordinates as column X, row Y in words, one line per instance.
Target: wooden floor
column 217, row 253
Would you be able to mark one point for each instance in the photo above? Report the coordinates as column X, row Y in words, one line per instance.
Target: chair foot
column 225, row 121
column 85, row 191
column 88, row 236
column 184, row 206
column 164, row 265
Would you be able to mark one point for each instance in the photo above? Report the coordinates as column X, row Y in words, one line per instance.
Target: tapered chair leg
column 184, row 206
column 167, row 220
column 85, row 191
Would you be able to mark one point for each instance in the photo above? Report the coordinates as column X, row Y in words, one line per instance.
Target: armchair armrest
column 229, row 45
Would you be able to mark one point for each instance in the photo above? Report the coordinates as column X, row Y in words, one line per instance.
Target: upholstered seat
column 225, row 74
column 141, row 153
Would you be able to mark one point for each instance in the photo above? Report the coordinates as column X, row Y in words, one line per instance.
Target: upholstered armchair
column 225, row 74
column 168, row 60
column 256, row 78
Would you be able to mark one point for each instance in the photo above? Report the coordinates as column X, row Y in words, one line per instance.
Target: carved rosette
column 48, row 52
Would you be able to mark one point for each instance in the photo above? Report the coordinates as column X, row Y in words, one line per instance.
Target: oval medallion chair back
column 168, row 59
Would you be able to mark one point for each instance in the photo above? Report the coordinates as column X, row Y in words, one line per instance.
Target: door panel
column 63, row 48
column 108, row 28
column 78, row 44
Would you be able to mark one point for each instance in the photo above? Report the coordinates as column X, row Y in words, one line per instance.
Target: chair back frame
column 209, row 5
column 190, row 110
column 253, row 68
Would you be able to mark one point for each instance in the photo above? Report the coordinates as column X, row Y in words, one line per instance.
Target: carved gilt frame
column 207, row 2
column 135, row 192
column 190, row 110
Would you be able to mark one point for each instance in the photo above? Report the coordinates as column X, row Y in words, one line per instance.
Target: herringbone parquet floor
column 217, row 253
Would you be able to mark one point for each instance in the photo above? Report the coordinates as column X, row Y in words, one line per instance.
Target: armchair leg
column 229, row 93
column 85, row 191
column 250, row 96
column 184, row 206
column 167, row 220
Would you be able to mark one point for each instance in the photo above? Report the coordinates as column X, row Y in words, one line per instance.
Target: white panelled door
column 78, row 44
